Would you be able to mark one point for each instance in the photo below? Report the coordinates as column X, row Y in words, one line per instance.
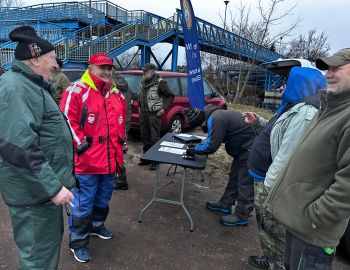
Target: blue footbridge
column 80, row 29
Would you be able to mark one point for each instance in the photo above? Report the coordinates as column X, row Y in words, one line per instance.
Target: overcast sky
column 332, row 17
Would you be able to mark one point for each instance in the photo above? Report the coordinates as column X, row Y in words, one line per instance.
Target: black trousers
column 240, row 186
column 300, row 255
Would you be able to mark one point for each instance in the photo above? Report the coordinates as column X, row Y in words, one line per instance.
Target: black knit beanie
column 195, row 117
column 30, row 45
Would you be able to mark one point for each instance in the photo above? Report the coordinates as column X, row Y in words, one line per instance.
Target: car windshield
column 134, row 82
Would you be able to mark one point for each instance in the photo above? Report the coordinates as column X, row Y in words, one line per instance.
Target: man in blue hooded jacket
column 300, row 102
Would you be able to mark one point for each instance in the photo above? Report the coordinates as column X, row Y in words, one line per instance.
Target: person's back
column 228, row 127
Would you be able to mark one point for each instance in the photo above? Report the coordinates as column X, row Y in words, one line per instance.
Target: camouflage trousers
column 271, row 233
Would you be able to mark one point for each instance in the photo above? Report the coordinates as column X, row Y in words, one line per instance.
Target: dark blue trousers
column 90, row 206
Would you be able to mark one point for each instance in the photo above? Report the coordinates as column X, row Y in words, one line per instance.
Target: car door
column 211, row 96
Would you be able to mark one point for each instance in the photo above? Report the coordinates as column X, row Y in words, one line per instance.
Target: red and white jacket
column 103, row 125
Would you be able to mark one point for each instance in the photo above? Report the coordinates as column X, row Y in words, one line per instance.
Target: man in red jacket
column 96, row 112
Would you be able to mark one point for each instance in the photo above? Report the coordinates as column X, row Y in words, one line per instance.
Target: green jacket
column 36, row 148
column 311, row 194
column 60, row 83
column 163, row 91
column 123, row 86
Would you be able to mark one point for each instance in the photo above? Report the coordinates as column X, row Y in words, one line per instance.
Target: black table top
column 154, row 155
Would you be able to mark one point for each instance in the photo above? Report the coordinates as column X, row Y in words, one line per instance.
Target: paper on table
column 172, row 144
column 184, row 135
column 172, row 150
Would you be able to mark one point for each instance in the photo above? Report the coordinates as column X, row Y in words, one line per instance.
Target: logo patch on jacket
column 91, row 118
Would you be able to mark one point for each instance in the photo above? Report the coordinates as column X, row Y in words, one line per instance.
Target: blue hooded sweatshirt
column 302, row 82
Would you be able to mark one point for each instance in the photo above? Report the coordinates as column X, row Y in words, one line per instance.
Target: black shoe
column 259, row 262
column 153, row 167
column 102, row 232
column 81, row 254
column 232, row 221
column 219, row 207
column 120, row 185
column 144, row 162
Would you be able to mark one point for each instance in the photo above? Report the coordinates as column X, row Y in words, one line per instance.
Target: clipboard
column 186, row 138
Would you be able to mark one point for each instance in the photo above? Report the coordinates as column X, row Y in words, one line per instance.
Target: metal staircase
column 116, row 30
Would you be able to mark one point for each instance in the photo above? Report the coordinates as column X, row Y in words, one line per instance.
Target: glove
column 190, row 152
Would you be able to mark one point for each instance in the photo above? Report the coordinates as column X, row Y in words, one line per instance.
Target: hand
column 62, row 197
column 190, row 152
column 160, row 112
column 250, row 117
column 125, row 148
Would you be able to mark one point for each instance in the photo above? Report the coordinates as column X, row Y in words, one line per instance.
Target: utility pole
column 90, row 20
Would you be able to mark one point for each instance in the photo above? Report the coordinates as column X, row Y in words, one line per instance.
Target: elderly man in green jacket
column 311, row 194
column 36, row 152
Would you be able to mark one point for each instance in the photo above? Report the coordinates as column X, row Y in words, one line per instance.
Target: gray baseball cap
column 338, row 59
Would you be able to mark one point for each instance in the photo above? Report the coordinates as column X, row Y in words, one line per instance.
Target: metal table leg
column 155, row 197
column 154, row 194
column 182, row 199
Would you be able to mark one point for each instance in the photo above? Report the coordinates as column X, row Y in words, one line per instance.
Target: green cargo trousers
column 150, row 124
column 38, row 234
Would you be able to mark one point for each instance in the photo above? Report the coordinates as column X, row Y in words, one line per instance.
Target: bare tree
column 129, row 59
column 309, row 46
column 11, row 3
column 260, row 32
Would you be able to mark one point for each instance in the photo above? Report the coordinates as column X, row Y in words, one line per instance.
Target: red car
column 173, row 120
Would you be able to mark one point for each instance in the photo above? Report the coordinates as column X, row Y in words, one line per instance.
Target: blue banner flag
column 194, row 69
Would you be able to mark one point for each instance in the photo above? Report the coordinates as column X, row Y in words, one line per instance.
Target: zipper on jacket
column 108, row 150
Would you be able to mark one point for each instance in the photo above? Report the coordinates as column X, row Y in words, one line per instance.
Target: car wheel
column 344, row 245
column 176, row 124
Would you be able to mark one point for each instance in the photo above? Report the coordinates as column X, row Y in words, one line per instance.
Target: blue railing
column 227, row 42
column 54, row 12
column 46, row 30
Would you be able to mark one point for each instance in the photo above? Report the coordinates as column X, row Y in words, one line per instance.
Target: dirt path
column 163, row 240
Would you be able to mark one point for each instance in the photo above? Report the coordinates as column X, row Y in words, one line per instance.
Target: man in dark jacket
column 311, row 194
column 227, row 127
column 36, row 152
column 121, row 182
column 60, row 81
column 154, row 98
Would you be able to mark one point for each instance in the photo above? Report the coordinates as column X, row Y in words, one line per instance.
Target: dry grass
column 267, row 114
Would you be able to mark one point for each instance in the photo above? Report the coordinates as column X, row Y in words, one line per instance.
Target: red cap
column 100, row 59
